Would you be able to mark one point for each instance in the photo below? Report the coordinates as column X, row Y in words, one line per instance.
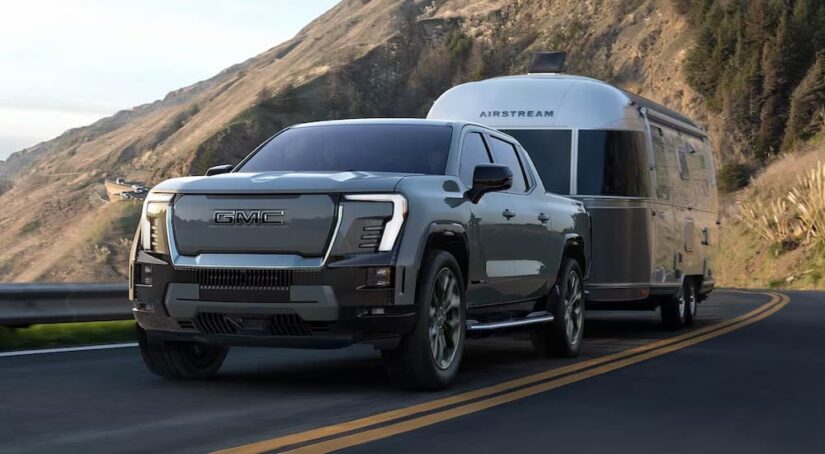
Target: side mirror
column 489, row 178
column 217, row 170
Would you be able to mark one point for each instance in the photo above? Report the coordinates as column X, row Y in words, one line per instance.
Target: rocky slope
column 362, row 58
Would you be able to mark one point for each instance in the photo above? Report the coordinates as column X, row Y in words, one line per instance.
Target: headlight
column 399, row 212
column 153, row 223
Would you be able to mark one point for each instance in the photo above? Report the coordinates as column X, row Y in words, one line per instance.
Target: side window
column 613, row 163
column 473, row 153
column 505, row 153
column 700, row 169
column 676, row 157
column 663, row 164
column 683, row 150
column 549, row 149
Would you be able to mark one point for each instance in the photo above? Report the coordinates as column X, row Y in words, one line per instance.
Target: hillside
column 361, row 58
column 773, row 232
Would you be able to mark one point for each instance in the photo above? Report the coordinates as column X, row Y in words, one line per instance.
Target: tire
column 429, row 356
column 563, row 337
column 674, row 309
column 691, row 304
column 180, row 360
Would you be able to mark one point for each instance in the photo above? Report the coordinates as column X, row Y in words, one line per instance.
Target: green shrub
column 733, row 176
column 459, row 45
column 777, row 283
column 30, row 227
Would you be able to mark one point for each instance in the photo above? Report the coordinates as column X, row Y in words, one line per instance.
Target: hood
column 283, row 182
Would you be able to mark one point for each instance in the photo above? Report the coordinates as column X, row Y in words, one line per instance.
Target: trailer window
column 665, row 164
column 549, row 149
column 613, row 163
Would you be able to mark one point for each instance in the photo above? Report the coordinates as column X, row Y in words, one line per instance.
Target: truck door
column 480, row 290
column 514, row 242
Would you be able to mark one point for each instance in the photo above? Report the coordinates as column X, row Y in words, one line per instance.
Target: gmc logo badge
column 249, row 217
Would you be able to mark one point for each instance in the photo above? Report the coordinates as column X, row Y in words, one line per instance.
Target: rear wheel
column 691, row 304
column 563, row 337
column 675, row 309
column 180, row 360
column 429, row 356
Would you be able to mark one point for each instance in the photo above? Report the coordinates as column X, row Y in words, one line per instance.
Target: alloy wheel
column 574, row 307
column 445, row 318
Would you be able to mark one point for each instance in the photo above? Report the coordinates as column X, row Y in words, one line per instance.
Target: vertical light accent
column 399, row 211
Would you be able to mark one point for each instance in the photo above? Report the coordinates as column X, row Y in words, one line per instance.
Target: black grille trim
column 246, row 279
column 288, row 324
column 238, row 279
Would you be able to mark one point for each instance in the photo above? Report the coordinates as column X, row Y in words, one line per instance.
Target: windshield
column 400, row 148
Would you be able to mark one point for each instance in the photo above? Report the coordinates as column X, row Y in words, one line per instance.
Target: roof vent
column 547, row 62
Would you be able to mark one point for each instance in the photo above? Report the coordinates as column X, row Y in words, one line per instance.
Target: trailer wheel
column 563, row 337
column 691, row 304
column 180, row 360
column 674, row 309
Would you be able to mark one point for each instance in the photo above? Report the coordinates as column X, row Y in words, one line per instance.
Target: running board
column 532, row 318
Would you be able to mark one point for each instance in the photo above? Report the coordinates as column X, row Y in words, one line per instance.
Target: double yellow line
column 394, row 422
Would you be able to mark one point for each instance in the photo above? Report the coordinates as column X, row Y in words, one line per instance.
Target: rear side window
column 613, row 163
column 550, row 152
column 505, row 153
column 473, row 153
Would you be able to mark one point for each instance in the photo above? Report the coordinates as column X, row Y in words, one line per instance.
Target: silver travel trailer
column 645, row 173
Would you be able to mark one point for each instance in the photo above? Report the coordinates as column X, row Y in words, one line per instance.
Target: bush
column 459, row 45
column 733, row 176
column 30, row 227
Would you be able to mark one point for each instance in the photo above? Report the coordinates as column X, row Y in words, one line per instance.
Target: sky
column 65, row 64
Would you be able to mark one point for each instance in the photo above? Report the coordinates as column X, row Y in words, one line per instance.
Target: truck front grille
column 230, row 279
column 246, row 285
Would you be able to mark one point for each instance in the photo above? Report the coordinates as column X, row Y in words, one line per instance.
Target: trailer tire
column 674, row 309
column 691, row 304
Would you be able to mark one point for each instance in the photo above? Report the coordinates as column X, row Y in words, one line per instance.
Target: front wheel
column 563, row 338
column 429, row 356
column 180, row 360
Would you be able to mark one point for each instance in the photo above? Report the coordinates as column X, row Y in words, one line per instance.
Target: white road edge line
column 44, row 351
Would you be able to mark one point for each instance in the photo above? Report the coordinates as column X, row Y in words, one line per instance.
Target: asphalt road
column 748, row 378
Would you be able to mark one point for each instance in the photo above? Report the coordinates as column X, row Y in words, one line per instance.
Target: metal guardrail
column 26, row 304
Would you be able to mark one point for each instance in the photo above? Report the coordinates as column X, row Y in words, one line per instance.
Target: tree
column 807, row 105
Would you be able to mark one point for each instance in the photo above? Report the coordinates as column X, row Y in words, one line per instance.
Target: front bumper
column 318, row 308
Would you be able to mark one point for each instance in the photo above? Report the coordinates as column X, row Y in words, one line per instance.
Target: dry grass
column 808, row 198
column 796, row 217
column 774, row 230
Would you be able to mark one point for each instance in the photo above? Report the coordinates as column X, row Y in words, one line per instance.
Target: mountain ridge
column 362, row 58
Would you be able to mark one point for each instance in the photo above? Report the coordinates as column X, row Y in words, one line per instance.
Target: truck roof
column 384, row 121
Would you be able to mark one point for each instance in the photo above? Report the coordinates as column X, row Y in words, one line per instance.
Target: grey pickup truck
column 409, row 235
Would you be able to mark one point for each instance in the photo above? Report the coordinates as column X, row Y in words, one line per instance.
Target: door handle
column 544, row 218
column 508, row 214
